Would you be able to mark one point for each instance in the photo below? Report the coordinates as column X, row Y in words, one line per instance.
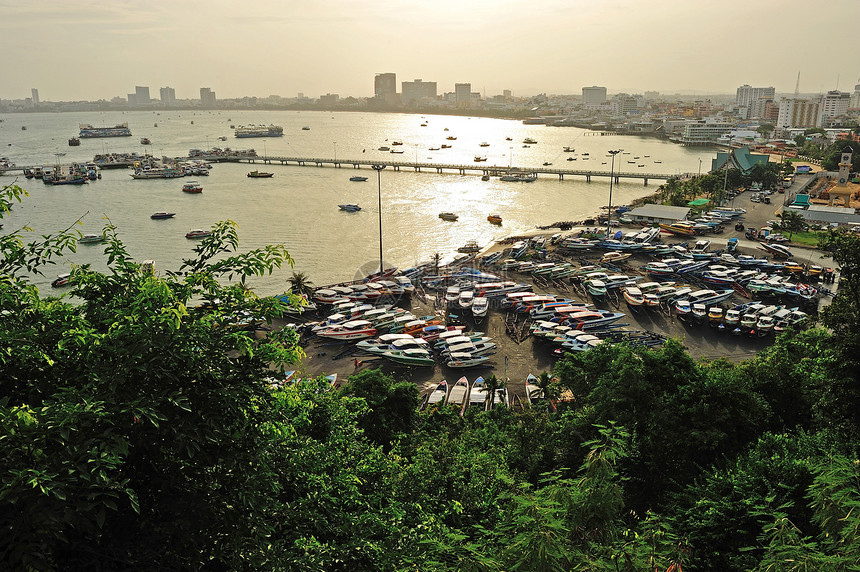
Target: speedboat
column 480, row 305
column 633, row 295
column 357, row 179
column 615, row 256
column 162, row 215
column 350, row 208
column 62, row 280
column 91, row 238
column 699, row 312
column 198, row 233
column 448, row 216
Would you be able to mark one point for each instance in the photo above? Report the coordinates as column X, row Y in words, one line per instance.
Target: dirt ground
column 516, row 360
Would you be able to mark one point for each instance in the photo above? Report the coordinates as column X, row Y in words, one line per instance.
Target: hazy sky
column 87, row 49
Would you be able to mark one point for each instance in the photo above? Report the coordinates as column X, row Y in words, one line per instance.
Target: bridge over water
column 477, row 168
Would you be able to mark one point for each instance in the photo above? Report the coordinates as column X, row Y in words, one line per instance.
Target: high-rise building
column 463, row 93
column 141, row 95
column 412, row 91
column 506, row 94
column 798, row 113
column 34, row 94
column 750, row 100
column 384, row 84
column 593, row 95
column 168, row 95
column 854, row 101
column 207, row 97
column 833, row 104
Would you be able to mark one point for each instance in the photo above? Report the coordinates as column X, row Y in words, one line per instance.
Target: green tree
column 392, row 405
column 134, row 423
column 765, row 129
column 793, row 221
column 300, row 284
column 493, row 384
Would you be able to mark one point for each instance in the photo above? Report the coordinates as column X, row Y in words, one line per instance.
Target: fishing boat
column 464, row 360
column 529, row 141
column 494, row 219
column 260, row 175
column 439, row 393
column 145, row 141
column 533, row 390
column 615, row 256
column 593, row 319
column 91, row 238
column 198, row 233
column 357, row 179
column 478, row 394
column 470, row 247
column 633, row 296
column 448, row 216
column 709, row 297
column 485, row 177
column 192, row 187
column 350, row 208
column 74, row 142
column 160, row 215
column 352, row 330
column 596, row 287
column 411, row 356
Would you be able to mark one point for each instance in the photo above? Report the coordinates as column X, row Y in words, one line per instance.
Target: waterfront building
column 833, row 104
column 506, row 93
column 742, row 159
column 854, row 100
column 141, row 95
column 207, row 97
column 384, row 85
column 463, row 94
column 329, row 99
column 414, row 91
column 168, row 95
column 748, row 96
column 798, row 113
column 593, row 95
column 34, row 95
column 653, row 214
column 704, row 131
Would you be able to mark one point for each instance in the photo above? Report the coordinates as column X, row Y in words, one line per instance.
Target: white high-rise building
column 141, row 95
column 833, row 104
column 34, row 94
column 593, row 95
column 854, row 102
column 748, row 99
column 168, row 95
column 798, row 113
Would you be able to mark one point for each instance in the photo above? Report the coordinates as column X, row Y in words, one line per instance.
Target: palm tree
column 300, row 284
column 493, row 384
column 547, row 388
column 792, row 221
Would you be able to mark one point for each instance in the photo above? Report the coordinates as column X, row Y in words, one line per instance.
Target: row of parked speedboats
column 751, row 318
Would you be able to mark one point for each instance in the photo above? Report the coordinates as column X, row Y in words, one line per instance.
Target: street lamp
column 612, row 152
column 335, row 151
column 378, row 169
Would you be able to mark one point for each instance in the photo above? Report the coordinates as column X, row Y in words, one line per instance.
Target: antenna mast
column 797, row 86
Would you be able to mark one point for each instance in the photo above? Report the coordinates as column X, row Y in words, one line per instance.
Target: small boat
column 350, row 208
column 479, row 158
column 384, row 148
column 470, row 247
column 160, row 215
column 358, row 179
column 439, row 394
column 484, row 144
column 495, row 219
column 145, row 141
column 465, row 359
column 192, row 187
column 451, row 138
column 397, row 142
column 532, row 389
column 480, row 305
column 62, row 280
column 352, row 330
column 633, row 296
column 306, row 128
column 529, row 141
column 444, row 146
column 260, row 175
column 411, row 356
column 91, row 238
column 74, row 142
column 198, row 233
column 485, row 177
column 448, row 216
column 615, row 256
column 547, row 164
column 458, row 392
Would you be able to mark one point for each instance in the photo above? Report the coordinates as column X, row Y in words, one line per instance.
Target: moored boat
column 161, row 215
column 260, row 175
column 449, row 216
column 494, row 219
column 357, row 179
column 87, row 238
column 198, row 233
column 351, row 208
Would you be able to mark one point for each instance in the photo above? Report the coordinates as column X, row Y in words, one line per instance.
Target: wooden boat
column 411, row 356
column 532, row 389
column 260, row 175
column 615, row 256
column 461, row 360
column 160, row 215
column 495, row 219
column 448, row 216
column 439, row 394
column 633, row 295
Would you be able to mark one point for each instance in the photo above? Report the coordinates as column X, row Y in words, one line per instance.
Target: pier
column 477, row 168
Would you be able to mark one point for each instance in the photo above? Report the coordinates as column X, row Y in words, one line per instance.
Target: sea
column 298, row 206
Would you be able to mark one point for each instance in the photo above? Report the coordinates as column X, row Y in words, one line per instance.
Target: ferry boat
column 518, row 178
column 192, row 187
column 88, row 131
column 244, row 131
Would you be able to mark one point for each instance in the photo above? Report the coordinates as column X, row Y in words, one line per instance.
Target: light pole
column 700, row 167
column 612, row 152
column 335, row 151
column 378, row 169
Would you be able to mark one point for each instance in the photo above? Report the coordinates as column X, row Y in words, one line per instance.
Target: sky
column 87, row 49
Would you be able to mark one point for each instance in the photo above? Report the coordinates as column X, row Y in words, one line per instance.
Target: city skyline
column 553, row 47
